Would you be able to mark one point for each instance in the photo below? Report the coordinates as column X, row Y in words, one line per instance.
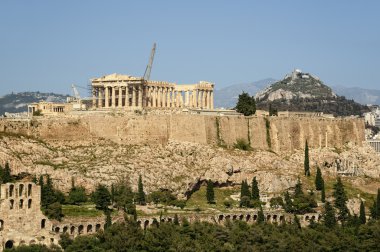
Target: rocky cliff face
column 177, row 166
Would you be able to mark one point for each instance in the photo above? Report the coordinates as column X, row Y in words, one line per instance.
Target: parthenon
column 124, row 91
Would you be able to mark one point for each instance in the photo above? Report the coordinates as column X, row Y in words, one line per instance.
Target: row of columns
column 151, row 96
column 375, row 144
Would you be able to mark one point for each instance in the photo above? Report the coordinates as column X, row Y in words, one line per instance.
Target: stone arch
column 11, row 189
column 319, row 217
column 29, row 190
column 139, row 222
column 221, row 217
column 64, row 230
column 21, row 204
column 228, row 217
column 20, row 189
column 247, row 217
column 72, row 230
column 1, row 225
column 89, row 228
column 282, row 219
column 11, row 204
column 22, row 242
column 241, row 217
column 43, row 223
column 9, row 244
column 30, row 203
column 307, row 218
column 268, row 217
column 313, row 218
column 274, row 217
column 234, row 217
column 31, row 242
column 169, row 219
column 154, row 222
column 56, row 229
column 80, row 229
column 97, row 227
column 255, row 217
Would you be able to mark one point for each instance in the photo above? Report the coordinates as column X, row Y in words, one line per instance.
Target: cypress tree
column 323, row 196
column 102, row 198
column 34, row 179
column 176, row 221
column 140, row 193
column 329, row 216
column 378, row 203
column 340, row 200
column 260, row 215
column 297, row 222
column 210, row 192
column 288, row 203
column 1, row 174
column 255, row 189
column 318, row 180
column 244, row 190
column 108, row 219
column 298, row 190
column 306, row 161
column 362, row 216
column 373, row 210
column 7, row 177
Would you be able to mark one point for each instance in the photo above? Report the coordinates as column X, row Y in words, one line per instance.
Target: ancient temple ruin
column 124, row 91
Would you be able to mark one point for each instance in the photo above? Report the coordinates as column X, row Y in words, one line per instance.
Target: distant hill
column 228, row 96
column 360, row 95
column 18, row 102
column 300, row 91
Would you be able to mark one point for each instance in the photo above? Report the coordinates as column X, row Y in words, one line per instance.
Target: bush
column 77, row 195
column 242, row 144
column 228, row 203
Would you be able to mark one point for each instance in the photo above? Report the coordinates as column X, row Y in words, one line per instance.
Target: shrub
column 242, row 144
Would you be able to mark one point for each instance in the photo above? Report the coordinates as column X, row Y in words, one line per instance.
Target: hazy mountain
column 18, row 102
column 227, row 97
column 361, row 95
column 300, row 91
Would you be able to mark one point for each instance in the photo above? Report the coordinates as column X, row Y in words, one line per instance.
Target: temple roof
column 115, row 76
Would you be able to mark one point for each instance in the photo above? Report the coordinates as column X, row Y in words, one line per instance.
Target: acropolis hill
column 177, row 151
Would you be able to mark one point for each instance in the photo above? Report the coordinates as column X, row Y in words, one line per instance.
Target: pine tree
column 48, row 196
column 34, row 179
column 141, row 193
column 298, row 189
column 288, row 203
column 255, row 189
column 323, row 195
column 362, row 216
column 306, row 162
column 260, row 215
column 210, row 192
column 318, row 180
column 102, row 198
column 340, row 200
column 244, row 190
column 329, row 216
column 246, row 104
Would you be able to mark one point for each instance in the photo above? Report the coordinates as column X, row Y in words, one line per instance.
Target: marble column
column 140, row 96
column 158, row 97
column 207, row 99
column 186, row 98
column 133, row 96
column 107, row 93
column 126, row 97
column 194, row 98
column 100, row 100
column 212, row 100
column 119, row 99
column 199, row 98
column 94, row 97
column 164, row 96
column 154, row 100
column 168, row 97
column 113, row 97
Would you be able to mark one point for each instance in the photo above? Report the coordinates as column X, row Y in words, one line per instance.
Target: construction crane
column 149, row 66
column 76, row 93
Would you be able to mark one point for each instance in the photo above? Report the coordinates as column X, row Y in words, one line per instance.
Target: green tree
column 288, row 203
column 123, row 197
column 246, row 104
column 298, row 189
column 176, row 220
column 65, row 240
column 210, row 192
column 101, row 197
column 362, row 216
column 260, row 215
column 255, row 189
column 77, row 195
column 54, row 211
column 48, row 194
column 378, row 203
column 306, row 161
column 318, row 180
column 108, row 222
column 323, row 194
column 244, row 190
column 140, row 192
column 329, row 216
column 340, row 200
column 272, row 111
column 5, row 174
column 297, row 221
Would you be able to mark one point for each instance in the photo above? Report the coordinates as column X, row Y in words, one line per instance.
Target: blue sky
column 49, row 45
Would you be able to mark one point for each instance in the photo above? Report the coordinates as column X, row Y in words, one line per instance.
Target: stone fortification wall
column 279, row 134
